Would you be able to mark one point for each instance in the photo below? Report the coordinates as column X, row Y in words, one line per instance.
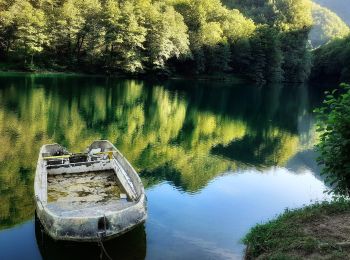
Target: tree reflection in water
column 183, row 132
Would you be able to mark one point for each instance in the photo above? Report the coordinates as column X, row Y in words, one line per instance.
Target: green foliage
column 126, row 36
column 334, row 144
column 296, row 59
column 144, row 36
column 267, row 54
column 26, row 24
column 327, row 26
column 167, row 36
column 213, row 29
column 332, row 61
column 286, row 25
column 285, row 14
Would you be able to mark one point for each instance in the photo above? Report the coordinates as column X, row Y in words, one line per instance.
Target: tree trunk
column 80, row 45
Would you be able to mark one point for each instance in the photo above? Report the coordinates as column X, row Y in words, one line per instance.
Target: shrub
column 334, row 144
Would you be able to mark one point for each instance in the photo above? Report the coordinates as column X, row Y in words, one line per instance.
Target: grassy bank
column 320, row 231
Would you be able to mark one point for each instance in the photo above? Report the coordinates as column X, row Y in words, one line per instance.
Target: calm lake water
column 216, row 158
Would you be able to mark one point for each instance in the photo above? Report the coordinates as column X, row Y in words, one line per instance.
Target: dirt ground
column 316, row 232
column 333, row 234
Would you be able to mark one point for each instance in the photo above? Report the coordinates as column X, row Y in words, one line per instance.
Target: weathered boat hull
column 87, row 229
column 90, row 221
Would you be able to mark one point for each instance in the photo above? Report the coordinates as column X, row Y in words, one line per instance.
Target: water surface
column 215, row 158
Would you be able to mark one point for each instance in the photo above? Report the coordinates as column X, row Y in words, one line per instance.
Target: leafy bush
column 334, row 145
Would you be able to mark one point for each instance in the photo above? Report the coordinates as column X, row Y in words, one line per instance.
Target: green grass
column 287, row 238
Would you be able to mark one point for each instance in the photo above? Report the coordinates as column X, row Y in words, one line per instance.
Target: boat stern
column 103, row 224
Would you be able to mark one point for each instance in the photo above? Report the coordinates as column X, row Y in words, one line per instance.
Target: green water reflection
column 184, row 132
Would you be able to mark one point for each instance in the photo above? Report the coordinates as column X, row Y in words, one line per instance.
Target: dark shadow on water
column 258, row 150
column 132, row 245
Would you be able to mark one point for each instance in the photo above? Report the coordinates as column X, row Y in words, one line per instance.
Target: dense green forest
column 332, row 61
column 262, row 40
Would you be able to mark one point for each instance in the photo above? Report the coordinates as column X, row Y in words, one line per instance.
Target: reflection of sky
column 205, row 225
column 210, row 224
column 19, row 243
column 181, row 225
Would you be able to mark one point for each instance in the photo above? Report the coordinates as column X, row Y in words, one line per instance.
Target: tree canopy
column 173, row 36
column 332, row 61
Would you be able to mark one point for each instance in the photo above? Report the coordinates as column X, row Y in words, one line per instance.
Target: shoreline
column 204, row 77
column 319, row 230
column 238, row 79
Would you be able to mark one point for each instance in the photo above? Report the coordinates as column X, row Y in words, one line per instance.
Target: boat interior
column 96, row 187
column 85, row 184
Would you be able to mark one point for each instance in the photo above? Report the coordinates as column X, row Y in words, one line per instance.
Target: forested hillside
column 261, row 40
column 280, row 44
column 340, row 7
column 327, row 26
column 332, row 61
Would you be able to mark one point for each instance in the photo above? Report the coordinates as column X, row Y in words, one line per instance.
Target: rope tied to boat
column 103, row 249
column 100, row 235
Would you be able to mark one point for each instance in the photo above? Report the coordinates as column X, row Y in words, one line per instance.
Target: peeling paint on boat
column 88, row 197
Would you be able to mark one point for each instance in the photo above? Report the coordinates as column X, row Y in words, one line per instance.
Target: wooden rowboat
column 90, row 196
